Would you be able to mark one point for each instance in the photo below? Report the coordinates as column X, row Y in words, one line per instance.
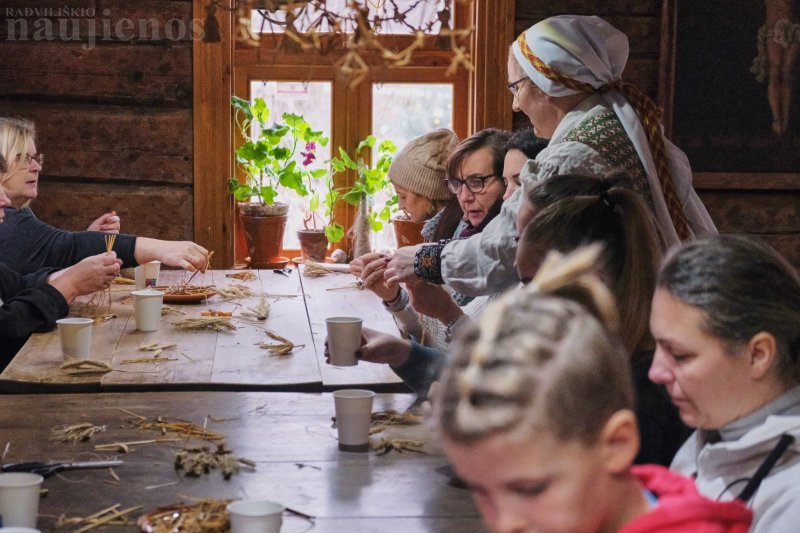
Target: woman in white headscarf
column 565, row 74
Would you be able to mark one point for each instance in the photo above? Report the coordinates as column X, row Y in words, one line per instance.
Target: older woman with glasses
column 29, row 244
column 565, row 75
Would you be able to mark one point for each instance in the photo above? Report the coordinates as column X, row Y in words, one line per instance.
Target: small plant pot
column 313, row 244
column 407, row 232
column 263, row 233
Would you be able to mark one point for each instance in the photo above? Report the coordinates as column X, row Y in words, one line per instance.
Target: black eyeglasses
column 515, row 87
column 38, row 157
column 475, row 184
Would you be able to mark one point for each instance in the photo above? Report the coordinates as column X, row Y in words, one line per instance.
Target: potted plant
column 371, row 180
column 269, row 160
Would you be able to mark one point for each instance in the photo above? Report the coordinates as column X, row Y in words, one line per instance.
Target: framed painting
column 731, row 86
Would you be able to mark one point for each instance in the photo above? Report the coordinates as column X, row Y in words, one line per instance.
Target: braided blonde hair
column 543, row 358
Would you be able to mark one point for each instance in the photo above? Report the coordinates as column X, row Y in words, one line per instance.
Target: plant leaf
column 260, row 111
column 349, row 163
column 334, row 232
column 268, row 194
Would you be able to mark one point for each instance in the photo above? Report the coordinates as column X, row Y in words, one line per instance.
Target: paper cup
column 147, row 309
column 19, row 530
column 138, row 278
column 344, row 339
column 151, row 271
column 76, row 337
column 255, row 516
column 19, row 498
column 353, row 415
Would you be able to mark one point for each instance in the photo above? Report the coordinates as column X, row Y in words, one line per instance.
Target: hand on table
column 108, row 223
column 379, row 347
column 93, row 274
column 370, row 268
column 401, row 267
column 182, row 254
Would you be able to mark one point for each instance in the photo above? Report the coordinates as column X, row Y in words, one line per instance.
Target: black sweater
column 29, row 305
column 28, row 244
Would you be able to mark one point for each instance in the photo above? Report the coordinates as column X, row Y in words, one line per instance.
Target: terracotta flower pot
column 313, row 244
column 407, row 232
column 264, row 233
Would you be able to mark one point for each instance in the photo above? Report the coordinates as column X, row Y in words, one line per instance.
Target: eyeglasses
column 515, row 87
column 475, row 184
column 38, row 157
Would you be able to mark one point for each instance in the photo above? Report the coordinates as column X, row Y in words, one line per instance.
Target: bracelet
column 390, row 303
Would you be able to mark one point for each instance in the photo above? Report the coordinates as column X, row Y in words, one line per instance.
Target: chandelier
column 353, row 27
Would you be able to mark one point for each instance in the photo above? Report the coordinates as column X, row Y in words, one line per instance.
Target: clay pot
column 313, row 244
column 263, row 232
column 407, row 232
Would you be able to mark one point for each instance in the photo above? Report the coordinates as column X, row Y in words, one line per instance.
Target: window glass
column 312, row 100
column 401, row 112
column 424, row 14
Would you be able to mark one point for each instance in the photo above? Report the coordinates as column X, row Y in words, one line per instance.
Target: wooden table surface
column 210, row 360
column 288, row 435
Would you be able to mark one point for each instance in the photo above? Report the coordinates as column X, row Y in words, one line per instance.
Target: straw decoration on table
column 123, row 281
column 98, row 306
column 260, row 311
column 384, row 446
column 83, row 367
column 77, row 432
column 215, row 323
column 107, row 517
column 382, row 420
column 179, row 428
column 355, row 285
column 208, row 264
column 206, row 516
column 235, row 291
column 167, row 309
column 194, row 461
column 312, row 269
column 283, row 347
column 243, row 275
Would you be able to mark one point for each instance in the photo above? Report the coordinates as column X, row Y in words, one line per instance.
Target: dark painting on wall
column 723, row 117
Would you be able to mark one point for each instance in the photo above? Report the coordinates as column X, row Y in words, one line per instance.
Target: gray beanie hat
column 419, row 166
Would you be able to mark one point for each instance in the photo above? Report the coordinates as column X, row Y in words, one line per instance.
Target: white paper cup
column 19, row 530
column 353, row 416
column 76, row 337
column 138, row 278
column 344, row 339
column 147, row 309
column 151, row 271
column 19, row 498
column 255, row 516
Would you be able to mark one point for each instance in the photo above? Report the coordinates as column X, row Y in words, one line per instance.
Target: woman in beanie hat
column 564, row 73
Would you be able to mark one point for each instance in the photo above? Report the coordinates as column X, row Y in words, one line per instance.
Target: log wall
column 109, row 85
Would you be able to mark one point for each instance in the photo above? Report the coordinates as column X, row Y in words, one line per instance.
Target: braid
column 650, row 116
column 533, row 349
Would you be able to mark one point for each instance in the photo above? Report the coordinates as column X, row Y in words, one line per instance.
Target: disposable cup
column 138, row 278
column 19, row 498
column 344, row 339
column 147, row 309
column 353, row 416
column 255, row 516
column 151, row 271
column 19, row 530
column 76, row 337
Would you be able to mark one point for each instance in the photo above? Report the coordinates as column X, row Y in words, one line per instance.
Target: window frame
column 221, row 70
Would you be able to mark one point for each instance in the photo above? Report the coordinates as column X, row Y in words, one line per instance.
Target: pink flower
column 311, row 146
column 308, row 158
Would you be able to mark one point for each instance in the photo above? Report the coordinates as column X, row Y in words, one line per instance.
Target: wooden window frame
column 220, row 70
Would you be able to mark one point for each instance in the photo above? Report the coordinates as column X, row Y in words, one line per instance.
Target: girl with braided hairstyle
column 565, row 75
column 536, row 417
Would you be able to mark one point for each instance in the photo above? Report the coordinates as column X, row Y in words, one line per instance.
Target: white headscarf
column 590, row 50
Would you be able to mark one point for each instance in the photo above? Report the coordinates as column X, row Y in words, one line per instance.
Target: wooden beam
column 213, row 138
column 494, row 32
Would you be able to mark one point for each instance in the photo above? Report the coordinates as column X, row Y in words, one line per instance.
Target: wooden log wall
column 109, row 85
column 764, row 205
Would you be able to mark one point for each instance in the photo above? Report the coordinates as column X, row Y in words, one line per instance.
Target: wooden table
column 210, row 360
column 288, row 435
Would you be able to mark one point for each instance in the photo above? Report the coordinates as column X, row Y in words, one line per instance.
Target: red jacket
column 681, row 509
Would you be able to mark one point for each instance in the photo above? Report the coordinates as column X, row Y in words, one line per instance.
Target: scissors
column 283, row 271
column 49, row 469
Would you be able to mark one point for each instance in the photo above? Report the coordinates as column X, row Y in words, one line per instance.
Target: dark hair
column 526, row 142
column 574, row 211
column 492, row 138
column 3, row 165
column 743, row 287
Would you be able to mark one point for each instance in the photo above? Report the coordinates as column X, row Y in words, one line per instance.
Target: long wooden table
column 210, row 360
column 288, row 435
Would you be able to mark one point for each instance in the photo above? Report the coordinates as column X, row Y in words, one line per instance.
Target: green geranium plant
column 282, row 155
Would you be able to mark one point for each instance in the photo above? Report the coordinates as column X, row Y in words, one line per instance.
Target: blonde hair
column 543, row 358
column 14, row 135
